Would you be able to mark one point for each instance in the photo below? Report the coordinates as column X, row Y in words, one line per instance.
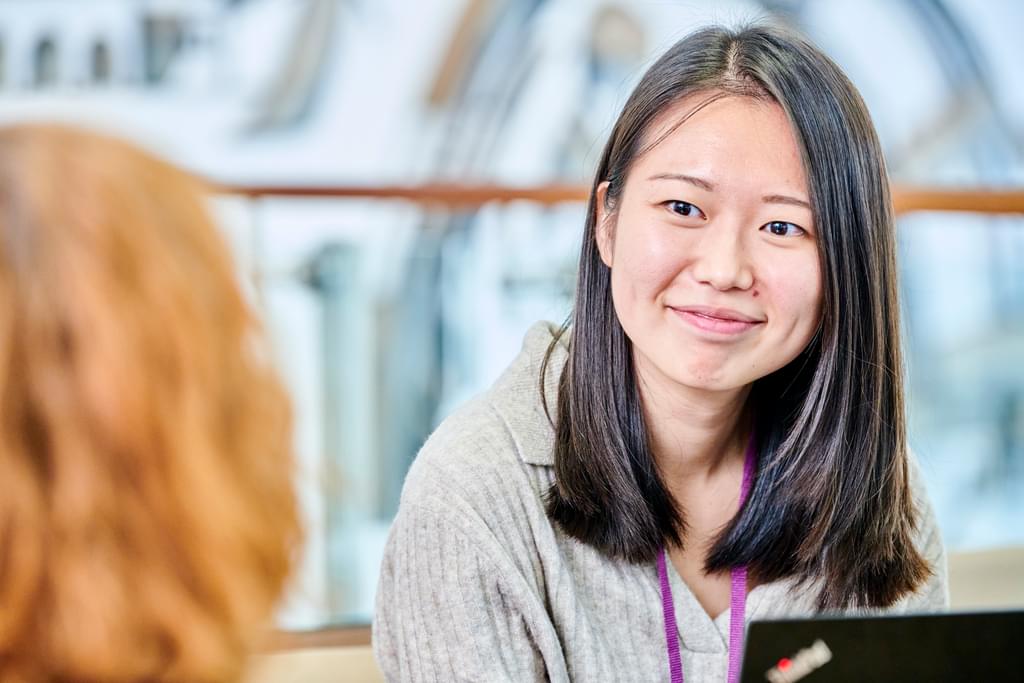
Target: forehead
column 720, row 135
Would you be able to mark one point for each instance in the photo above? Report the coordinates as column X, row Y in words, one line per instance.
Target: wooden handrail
column 912, row 199
column 455, row 195
column 332, row 636
column 443, row 194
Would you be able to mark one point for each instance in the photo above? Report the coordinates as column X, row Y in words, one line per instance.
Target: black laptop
column 977, row 646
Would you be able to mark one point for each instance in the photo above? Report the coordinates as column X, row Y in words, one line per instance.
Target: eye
column 685, row 209
column 783, row 229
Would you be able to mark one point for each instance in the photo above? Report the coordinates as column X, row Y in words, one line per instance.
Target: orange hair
column 147, row 516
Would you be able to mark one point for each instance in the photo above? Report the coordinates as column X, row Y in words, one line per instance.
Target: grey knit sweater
column 478, row 585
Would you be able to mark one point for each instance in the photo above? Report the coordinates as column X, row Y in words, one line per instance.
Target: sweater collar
column 516, row 396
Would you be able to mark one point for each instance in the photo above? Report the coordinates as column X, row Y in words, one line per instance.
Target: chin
column 712, row 386
column 698, row 368
column 709, row 381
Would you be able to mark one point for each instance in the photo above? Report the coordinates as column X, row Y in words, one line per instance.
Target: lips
column 717, row 320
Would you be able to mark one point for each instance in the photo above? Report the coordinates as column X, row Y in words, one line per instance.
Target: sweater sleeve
column 446, row 610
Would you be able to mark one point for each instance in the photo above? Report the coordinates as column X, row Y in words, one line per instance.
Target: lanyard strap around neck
column 737, row 597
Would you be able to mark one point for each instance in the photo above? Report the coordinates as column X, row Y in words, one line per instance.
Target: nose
column 721, row 259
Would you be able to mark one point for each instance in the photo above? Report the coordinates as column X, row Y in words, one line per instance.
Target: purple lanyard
column 737, row 597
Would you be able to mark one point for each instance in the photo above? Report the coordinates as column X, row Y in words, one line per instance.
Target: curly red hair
column 148, row 520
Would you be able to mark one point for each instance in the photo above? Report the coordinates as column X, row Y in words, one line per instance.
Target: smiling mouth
column 717, row 321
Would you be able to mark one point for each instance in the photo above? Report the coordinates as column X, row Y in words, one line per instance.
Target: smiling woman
column 716, row 436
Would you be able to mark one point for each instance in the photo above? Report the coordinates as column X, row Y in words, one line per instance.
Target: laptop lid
column 977, row 646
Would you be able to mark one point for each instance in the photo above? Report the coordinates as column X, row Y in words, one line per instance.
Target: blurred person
column 147, row 518
column 718, row 436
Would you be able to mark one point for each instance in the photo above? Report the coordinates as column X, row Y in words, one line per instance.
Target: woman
column 147, row 515
column 727, row 434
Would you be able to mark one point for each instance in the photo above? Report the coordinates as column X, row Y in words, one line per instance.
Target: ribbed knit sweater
column 477, row 584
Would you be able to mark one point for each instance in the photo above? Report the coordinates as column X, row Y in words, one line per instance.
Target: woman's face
column 712, row 247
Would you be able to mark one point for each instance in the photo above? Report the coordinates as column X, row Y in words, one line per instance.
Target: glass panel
column 386, row 317
column 963, row 285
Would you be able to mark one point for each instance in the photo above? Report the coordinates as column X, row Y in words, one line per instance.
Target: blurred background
column 388, row 310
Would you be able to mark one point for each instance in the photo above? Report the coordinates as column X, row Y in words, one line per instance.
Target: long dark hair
column 831, row 499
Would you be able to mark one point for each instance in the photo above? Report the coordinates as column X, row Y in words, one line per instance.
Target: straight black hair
column 831, row 500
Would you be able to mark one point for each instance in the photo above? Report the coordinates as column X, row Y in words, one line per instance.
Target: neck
column 695, row 434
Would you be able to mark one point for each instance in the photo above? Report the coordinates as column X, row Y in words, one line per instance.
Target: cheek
column 646, row 262
column 794, row 290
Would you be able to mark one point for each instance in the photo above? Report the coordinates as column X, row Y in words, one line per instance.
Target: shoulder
column 934, row 593
column 927, row 535
column 489, row 455
column 470, row 445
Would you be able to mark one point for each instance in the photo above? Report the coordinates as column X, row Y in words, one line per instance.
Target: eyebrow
column 710, row 187
column 693, row 180
column 785, row 199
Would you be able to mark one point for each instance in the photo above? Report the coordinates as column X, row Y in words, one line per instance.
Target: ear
column 604, row 225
